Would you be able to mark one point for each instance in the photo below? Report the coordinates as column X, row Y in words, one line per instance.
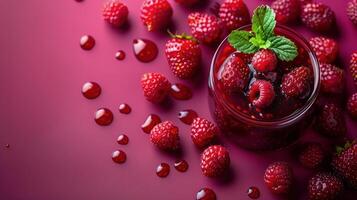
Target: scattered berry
column 324, row 186
column 115, row 12
column 332, row 78
column 187, row 2
column 330, row 121
column 352, row 11
column 286, row 11
column 155, row 87
column 318, row 17
column 183, row 54
column 352, row 105
column 311, row 155
column 261, row 93
column 156, row 14
column 165, row 136
column 326, row 49
column 297, row 82
column 264, row 60
column 278, row 177
column 203, row 132
column 353, row 66
column 205, row 27
column 234, row 14
column 215, row 161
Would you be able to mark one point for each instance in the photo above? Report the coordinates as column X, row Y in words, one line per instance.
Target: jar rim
column 286, row 120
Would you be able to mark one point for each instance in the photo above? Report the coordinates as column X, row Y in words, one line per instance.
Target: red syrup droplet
column 123, row 139
column 91, row 90
column 119, row 156
column 87, row 42
column 187, row 116
column 103, row 116
column 151, row 121
column 120, row 55
column 163, row 170
column 145, row 50
column 180, row 91
column 124, row 108
column 253, row 192
column 181, row 165
column 206, row 194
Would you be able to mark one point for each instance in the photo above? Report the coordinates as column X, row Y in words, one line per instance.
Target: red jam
column 103, row 117
column 145, row 50
column 180, row 92
column 163, row 170
column 87, row 42
column 253, row 192
column 124, row 108
column 206, row 194
column 187, row 116
column 151, row 121
column 120, row 55
column 91, row 90
column 181, row 165
column 119, row 156
column 123, row 139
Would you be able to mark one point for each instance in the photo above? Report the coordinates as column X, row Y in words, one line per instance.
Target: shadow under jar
column 284, row 120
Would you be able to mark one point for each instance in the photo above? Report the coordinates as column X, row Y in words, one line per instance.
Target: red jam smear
column 103, row 117
column 91, row 90
column 163, row 170
column 187, row 116
column 87, row 42
column 151, row 121
column 180, row 91
column 145, row 50
column 119, row 156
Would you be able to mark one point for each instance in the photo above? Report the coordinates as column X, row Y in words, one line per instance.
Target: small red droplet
column 180, row 92
column 120, row 55
column 103, row 116
column 187, row 116
column 206, row 194
column 181, row 165
column 123, row 139
column 145, row 50
column 124, row 108
column 151, row 121
column 7, row 146
column 87, row 42
column 253, row 192
column 163, row 170
column 119, row 156
column 91, row 90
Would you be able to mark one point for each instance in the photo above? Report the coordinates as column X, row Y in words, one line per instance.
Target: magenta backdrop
column 58, row 152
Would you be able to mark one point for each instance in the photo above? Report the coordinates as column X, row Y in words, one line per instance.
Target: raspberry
column 352, row 106
column 332, row 79
column 205, row 27
column 261, row 93
column 156, row 14
column 234, row 14
column 330, row 121
column 214, row 161
column 286, row 11
column 203, row 132
column 352, row 11
column 318, row 17
column 311, row 155
column 115, row 12
column 324, row 186
column 264, row 60
column 278, row 177
column 155, row 87
column 326, row 49
column 165, row 136
column 297, row 82
column 353, row 66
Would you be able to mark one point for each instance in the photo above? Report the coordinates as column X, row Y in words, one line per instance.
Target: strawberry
column 352, row 11
column 205, row 27
column 318, row 17
column 165, row 136
column 286, row 11
column 234, row 14
column 234, row 74
column 155, row 87
column 187, row 2
column 353, row 66
column 352, row 106
column 324, row 186
column 261, row 93
column 326, row 49
column 214, row 161
column 332, row 79
column 278, row 177
column 330, row 121
column 115, row 12
column 297, row 82
column 345, row 163
column 311, row 155
column 264, row 60
column 183, row 54
column 156, row 14
column 203, row 132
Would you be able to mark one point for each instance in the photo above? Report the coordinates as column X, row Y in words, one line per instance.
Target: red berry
column 205, row 27
column 311, row 155
column 352, row 11
column 345, row 164
column 234, row 74
column 286, row 11
column 324, row 186
column 156, row 14
column 155, row 87
column 353, row 66
column 115, row 12
column 318, row 17
column 183, row 55
column 331, row 121
column 234, row 14
column 332, row 79
column 203, row 132
column 261, row 93
column 297, row 82
column 352, row 105
column 215, row 161
column 264, row 60
column 326, row 49
column 187, row 2
column 278, row 177
column 165, row 136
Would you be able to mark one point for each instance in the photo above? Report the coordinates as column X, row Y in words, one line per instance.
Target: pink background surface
column 58, row 152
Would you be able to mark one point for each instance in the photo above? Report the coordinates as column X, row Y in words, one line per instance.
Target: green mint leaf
column 263, row 22
column 284, row 48
column 240, row 40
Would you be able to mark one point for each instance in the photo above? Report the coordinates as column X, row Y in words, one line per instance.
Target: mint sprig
column 262, row 36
